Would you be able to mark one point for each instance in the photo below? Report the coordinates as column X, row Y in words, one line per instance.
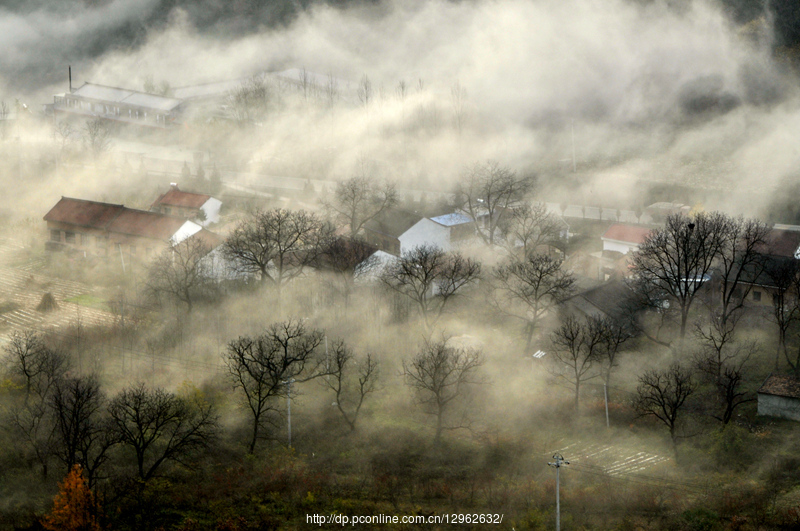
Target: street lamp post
column 559, row 461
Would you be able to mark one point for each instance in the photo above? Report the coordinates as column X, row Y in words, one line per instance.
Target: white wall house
column 211, row 210
column 425, row 232
column 176, row 202
column 624, row 238
column 779, row 396
column 444, row 232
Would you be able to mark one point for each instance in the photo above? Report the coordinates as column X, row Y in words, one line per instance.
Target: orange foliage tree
column 74, row 507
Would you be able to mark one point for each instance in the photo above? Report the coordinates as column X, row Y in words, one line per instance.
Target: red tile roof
column 626, row 233
column 209, row 239
column 114, row 218
column 83, row 213
column 782, row 243
column 179, row 198
column 146, row 224
column 781, row 386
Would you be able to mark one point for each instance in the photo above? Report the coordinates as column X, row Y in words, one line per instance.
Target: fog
column 653, row 92
column 598, row 105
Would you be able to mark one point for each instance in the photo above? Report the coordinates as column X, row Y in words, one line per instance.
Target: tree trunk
column 684, row 319
column 255, row 437
column 529, row 338
column 439, row 426
column 674, row 442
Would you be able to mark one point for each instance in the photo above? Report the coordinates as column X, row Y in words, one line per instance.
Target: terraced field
column 21, row 292
column 611, row 459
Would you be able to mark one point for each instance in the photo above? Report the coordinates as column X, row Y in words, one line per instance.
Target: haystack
column 48, row 303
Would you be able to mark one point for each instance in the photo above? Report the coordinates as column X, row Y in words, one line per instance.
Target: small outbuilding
column 779, row 396
column 624, row 238
column 188, row 205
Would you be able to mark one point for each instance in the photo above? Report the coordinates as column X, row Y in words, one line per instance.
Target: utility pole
column 605, row 393
column 289, row 406
column 122, row 329
column 574, row 165
column 558, row 463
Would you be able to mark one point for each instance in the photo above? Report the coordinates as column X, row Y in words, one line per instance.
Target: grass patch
column 90, row 301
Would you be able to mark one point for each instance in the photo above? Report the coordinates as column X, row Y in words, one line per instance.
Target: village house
column 101, row 229
column 384, row 230
column 619, row 241
column 783, row 245
column 119, row 105
column 201, row 208
column 612, row 300
column 624, row 238
column 445, row 232
column 779, row 396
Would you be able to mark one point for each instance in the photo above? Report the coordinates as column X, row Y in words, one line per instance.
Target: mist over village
column 400, row 264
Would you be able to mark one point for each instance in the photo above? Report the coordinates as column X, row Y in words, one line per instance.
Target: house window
column 757, row 296
column 133, row 250
column 69, row 237
column 167, row 210
column 55, row 235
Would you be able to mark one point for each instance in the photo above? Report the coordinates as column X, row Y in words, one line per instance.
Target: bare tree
column 615, row 334
column 365, row 91
column 160, row 427
column 306, row 83
column 347, row 258
column 64, row 134
column 351, row 386
column 718, row 345
column 527, row 289
column 458, row 101
column 249, row 103
column 34, row 369
column 331, row 90
column 84, row 435
column 529, row 226
column 360, row 199
column 731, row 393
column 739, row 264
column 439, row 375
column 180, row 273
column 29, row 361
column 3, row 119
column 785, row 277
column 487, row 192
column 277, row 244
column 577, row 346
column 96, row 136
column 402, row 93
column 663, row 394
column 261, row 367
column 430, row 278
column 676, row 261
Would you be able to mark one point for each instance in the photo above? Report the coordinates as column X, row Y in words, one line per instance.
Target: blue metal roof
column 448, row 220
